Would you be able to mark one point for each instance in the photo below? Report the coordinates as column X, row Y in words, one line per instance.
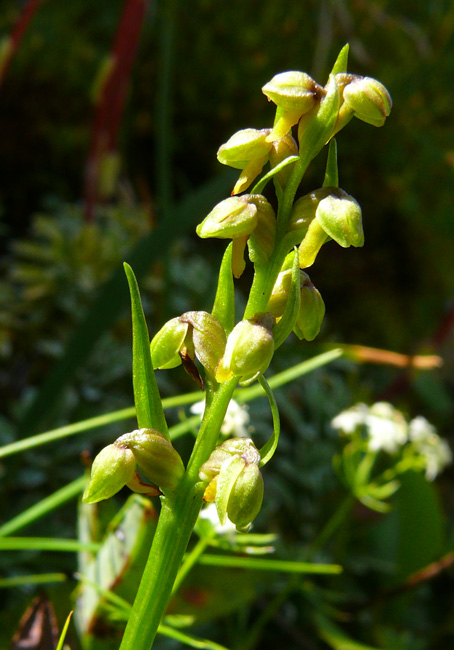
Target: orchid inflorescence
column 283, row 236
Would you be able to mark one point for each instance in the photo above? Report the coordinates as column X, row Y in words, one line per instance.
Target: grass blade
column 43, row 507
column 147, row 399
column 45, row 544
column 258, row 564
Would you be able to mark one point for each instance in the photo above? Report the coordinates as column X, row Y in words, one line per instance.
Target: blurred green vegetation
column 196, row 80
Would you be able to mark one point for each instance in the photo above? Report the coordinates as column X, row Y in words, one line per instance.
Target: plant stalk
column 178, row 516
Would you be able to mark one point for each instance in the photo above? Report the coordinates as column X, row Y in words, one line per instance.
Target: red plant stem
column 17, row 35
column 112, row 98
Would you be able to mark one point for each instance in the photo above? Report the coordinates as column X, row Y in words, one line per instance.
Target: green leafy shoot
column 147, row 399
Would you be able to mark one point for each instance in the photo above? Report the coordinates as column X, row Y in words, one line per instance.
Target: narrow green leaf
column 63, row 633
column 268, row 449
column 335, row 637
column 34, row 579
column 43, row 507
column 288, row 320
column 224, row 302
column 147, row 399
column 260, row 186
column 189, row 639
column 45, row 544
column 258, row 564
column 331, row 172
column 341, row 62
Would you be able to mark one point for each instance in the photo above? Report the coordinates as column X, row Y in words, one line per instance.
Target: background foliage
column 64, row 322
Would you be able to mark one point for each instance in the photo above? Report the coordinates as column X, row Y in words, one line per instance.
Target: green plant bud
column 167, row 344
column 243, row 447
column 247, row 150
column 244, row 146
column 279, row 295
column 263, row 235
column 246, row 498
column 280, row 151
column 340, row 217
column 303, row 211
column 234, row 481
column 208, row 337
column 112, row 468
column 155, row 456
column 234, row 217
column 249, row 349
column 292, row 91
column 311, row 312
column 296, row 93
column 369, row 100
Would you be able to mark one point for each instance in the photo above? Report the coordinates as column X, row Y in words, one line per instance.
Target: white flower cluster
column 386, row 429
column 431, row 447
column 236, row 419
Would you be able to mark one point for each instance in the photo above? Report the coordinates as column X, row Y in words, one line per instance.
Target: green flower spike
column 235, row 482
column 112, row 469
column 294, row 93
column 249, row 349
column 247, row 150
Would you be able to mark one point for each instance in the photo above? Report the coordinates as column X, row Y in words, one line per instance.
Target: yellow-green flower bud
column 340, row 217
column 311, row 312
column 303, row 211
column 167, row 344
column 155, row 456
column 208, row 337
column 193, row 334
column 248, row 150
column 112, row 468
column 280, row 151
column 364, row 98
column 234, row 217
column 249, row 349
column 246, row 498
column 263, row 235
column 296, row 93
column 234, row 481
column 280, row 293
column 243, row 146
column 369, row 100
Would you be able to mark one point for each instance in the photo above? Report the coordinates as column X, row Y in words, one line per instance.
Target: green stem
column 265, row 276
column 177, row 519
